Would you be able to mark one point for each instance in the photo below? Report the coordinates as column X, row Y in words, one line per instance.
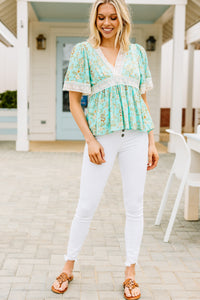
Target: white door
column 66, row 127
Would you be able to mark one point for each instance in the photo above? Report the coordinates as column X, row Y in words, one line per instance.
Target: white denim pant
column 131, row 146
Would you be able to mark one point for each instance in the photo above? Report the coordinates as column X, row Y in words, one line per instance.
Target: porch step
column 57, row 146
column 70, row 146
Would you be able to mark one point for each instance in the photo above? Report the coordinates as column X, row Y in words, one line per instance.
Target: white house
column 43, row 110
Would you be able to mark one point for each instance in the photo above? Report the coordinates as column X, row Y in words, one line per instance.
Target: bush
column 8, row 99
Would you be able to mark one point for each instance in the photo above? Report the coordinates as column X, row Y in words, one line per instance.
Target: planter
column 8, row 124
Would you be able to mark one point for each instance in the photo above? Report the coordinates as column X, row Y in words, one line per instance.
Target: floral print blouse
column 114, row 92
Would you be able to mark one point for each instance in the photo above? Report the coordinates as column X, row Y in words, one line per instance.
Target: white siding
column 43, row 74
column 8, row 124
column 42, row 91
column 8, row 68
column 166, row 77
column 154, row 59
column 41, row 100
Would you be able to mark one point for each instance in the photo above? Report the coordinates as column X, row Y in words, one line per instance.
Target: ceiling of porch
column 79, row 12
column 8, row 14
column 192, row 17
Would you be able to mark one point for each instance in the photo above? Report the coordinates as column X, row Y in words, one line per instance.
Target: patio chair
column 180, row 169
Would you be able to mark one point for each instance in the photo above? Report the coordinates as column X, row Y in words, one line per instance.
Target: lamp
column 41, row 42
column 151, row 43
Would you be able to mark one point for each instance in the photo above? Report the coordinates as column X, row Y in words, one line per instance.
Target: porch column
column 188, row 111
column 177, row 72
column 22, row 143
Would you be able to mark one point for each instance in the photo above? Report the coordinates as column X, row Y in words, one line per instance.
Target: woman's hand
column 153, row 157
column 96, row 152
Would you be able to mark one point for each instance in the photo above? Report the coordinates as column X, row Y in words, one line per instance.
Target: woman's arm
column 95, row 149
column 152, row 152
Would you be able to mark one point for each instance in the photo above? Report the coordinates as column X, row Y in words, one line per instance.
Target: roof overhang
column 142, row 11
column 78, row 12
column 6, row 37
column 147, row 2
column 193, row 34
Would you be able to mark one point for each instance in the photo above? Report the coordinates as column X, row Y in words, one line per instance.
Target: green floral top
column 114, row 93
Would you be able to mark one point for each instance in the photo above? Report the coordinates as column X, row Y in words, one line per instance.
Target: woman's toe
column 56, row 284
column 135, row 292
column 64, row 285
column 128, row 294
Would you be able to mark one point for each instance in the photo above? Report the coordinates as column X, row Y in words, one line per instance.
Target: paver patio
column 38, row 197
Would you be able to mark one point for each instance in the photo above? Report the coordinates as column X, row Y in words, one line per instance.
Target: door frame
column 59, row 97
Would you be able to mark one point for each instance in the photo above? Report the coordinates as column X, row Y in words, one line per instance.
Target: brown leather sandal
column 62, row 278
column 131, row 284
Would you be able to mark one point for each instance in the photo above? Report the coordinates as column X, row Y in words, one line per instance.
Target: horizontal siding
column 43, row 85
column 8, row 112
column 9, row 137
column 41, row 101
column 8, row 68
column 154, row 60
column 8, row 131
column 8, row 119
column 8, row 124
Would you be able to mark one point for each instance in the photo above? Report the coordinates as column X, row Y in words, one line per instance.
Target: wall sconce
column 151, row 43
column 41, row 42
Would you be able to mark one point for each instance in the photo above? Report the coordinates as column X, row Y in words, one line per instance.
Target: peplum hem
column 118, row 107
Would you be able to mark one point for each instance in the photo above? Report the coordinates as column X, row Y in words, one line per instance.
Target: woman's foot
column 60, row 285
column 131, row 288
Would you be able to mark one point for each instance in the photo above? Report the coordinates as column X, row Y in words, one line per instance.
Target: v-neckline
column 117, row 69
column 113, row 69
column 106, row 60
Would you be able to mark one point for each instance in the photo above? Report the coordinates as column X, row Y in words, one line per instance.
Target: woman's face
column 107, row 21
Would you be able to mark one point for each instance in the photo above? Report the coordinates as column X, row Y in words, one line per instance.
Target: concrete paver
column 39, row 193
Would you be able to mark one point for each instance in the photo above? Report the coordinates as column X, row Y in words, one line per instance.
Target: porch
column 39, row 91
column 39, row 194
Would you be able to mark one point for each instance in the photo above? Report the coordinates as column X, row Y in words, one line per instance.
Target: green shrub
column 8, row 99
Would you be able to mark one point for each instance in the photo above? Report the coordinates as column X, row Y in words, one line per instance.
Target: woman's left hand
column 153, row 157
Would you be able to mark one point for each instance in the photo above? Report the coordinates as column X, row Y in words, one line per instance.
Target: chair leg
column 174, row 211
column 164, row 200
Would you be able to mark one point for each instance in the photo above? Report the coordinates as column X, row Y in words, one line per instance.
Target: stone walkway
column 38, row 197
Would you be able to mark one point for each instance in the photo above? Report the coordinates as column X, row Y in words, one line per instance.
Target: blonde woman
column 115, row 75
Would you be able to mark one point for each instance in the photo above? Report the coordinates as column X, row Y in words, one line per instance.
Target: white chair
column 180, row 169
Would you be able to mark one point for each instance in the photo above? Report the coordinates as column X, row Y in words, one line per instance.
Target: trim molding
column 168, row 14
column 148, row 2
column 193, row 34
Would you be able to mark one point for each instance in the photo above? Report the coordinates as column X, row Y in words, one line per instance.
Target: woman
column 115, row 75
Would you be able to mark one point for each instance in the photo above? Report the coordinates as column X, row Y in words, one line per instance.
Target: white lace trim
column 85, row 88
column 75, row 86
column 146, row 86
column 117, row 69
column 112, row 81
column 119, row 63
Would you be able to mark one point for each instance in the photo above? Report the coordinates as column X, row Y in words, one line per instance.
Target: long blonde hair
column 124, row 29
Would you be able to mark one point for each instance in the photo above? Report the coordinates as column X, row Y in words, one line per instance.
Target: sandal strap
column 62, row 278
column 130, row 284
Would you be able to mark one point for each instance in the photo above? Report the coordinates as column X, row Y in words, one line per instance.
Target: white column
column 22, row 143
column 177, row 72
column 188, row 111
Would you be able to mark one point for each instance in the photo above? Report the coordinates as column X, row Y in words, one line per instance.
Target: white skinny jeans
column 131, row 146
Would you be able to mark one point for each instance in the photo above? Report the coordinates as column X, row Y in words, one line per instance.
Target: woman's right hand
column 96, row 152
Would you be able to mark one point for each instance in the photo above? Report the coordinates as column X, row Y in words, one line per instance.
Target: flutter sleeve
column 146, row 83
column 77, row 77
